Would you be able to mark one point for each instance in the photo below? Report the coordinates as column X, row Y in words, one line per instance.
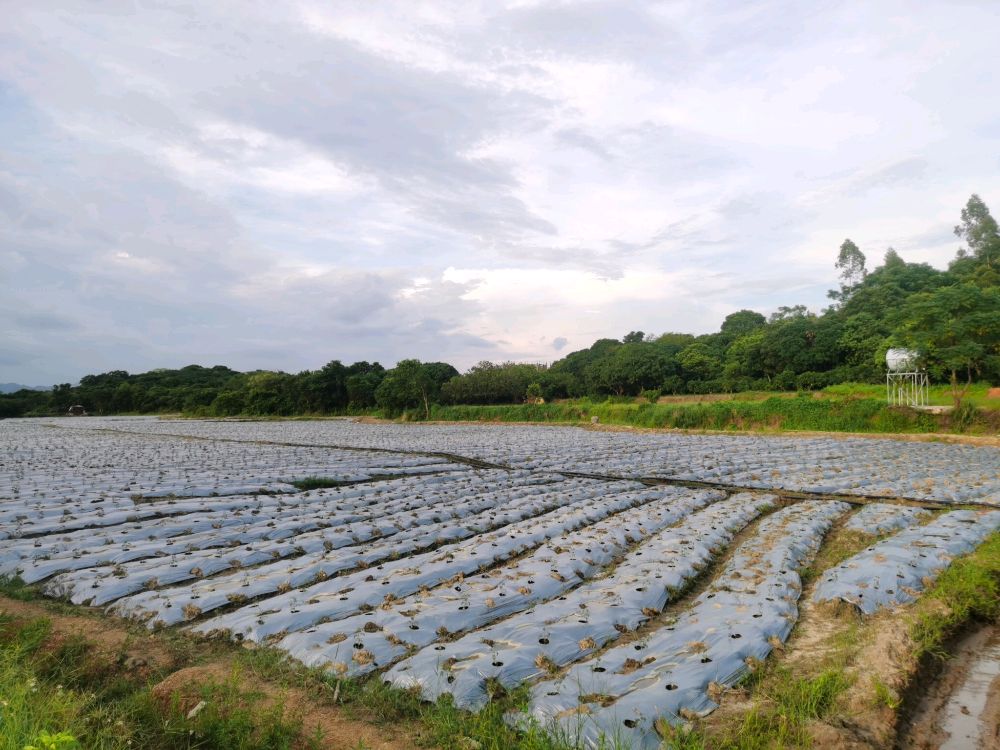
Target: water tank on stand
column 905, row 383
column 901, row 360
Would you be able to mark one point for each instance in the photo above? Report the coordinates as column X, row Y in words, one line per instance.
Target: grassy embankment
column 848, row 407
column 836, row 411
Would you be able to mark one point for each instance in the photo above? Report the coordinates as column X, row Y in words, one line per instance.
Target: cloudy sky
column 275, row 185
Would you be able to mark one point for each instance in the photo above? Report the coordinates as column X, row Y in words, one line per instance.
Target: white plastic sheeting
column 374, row 639
column 171, row 528
column 345, row 595
column 435, row 509
column 881, row 518
column 673, row 670
column 317, row 519
column 924, row 471
column 568, row 628
column 58, row 480
column 165, row 606
column 895, row 570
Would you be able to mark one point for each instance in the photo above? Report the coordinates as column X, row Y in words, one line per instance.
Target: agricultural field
column 617, row 589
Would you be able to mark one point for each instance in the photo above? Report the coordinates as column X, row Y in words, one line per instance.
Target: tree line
column 951, row 317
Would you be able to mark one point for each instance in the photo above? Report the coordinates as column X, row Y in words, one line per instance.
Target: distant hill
column 15, row 387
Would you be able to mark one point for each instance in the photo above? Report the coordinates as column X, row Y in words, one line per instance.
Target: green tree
column 744, row 359
column 956, row 329
column 576, row 366
column 413, row 383
column 851, row 263
column 490, row 383
column 699, row 362
column 363, row 378
column 862, row 337
column 786, row 312
column 741, row 323
column 980, row 262
column 630, row 369
column 677, row 340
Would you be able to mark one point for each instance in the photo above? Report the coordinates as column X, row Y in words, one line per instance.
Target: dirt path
column 189, row 664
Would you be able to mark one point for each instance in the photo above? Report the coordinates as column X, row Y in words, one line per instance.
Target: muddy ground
column 961, row 709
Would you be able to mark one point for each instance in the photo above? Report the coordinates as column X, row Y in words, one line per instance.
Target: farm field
column 618, row 589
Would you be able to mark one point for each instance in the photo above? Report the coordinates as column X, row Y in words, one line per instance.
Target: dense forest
column 951, row 317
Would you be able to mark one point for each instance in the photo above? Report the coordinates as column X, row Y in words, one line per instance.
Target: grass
column 848, row 407
column 441, row 724
column 790, row 704
column 772, row 414
column 15, row 588
column 446, row 726
column 784, row 706
column 938, row 395
column 52, row 686
column 320, row 483
column 58, row 693
column 967, row 591
column 317, row 483
column 838, row 546
column 885, row 695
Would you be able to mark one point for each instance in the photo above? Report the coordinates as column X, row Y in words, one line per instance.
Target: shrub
column 812, row 381
column 964, row 417
column 785, row 380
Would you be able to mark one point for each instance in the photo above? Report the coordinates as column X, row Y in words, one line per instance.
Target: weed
column 317, row 483
column 781, row 715
column 61, row 694
column 681, row 738
column 839, row 546
column 320, row 483
column 58, row 741
column 968, row 590
column 885, row 695
column 15, row 588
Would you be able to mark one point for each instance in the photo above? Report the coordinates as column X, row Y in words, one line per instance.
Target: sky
column 275, row 185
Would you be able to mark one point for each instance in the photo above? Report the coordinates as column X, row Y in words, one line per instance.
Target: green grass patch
column 15, row 588
column 885, row 695
column 937, row 395
column 440, row 724
column 234, row 718
column 58, row 694
column 772, row 414
column 445, row 726
column 788, row 703
column 320, row 483
column 317, row 483
column 56, row 690
column 969, row 589
column 838, row 546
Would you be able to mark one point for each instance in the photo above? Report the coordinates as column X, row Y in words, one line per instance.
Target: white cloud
column 274, row 185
